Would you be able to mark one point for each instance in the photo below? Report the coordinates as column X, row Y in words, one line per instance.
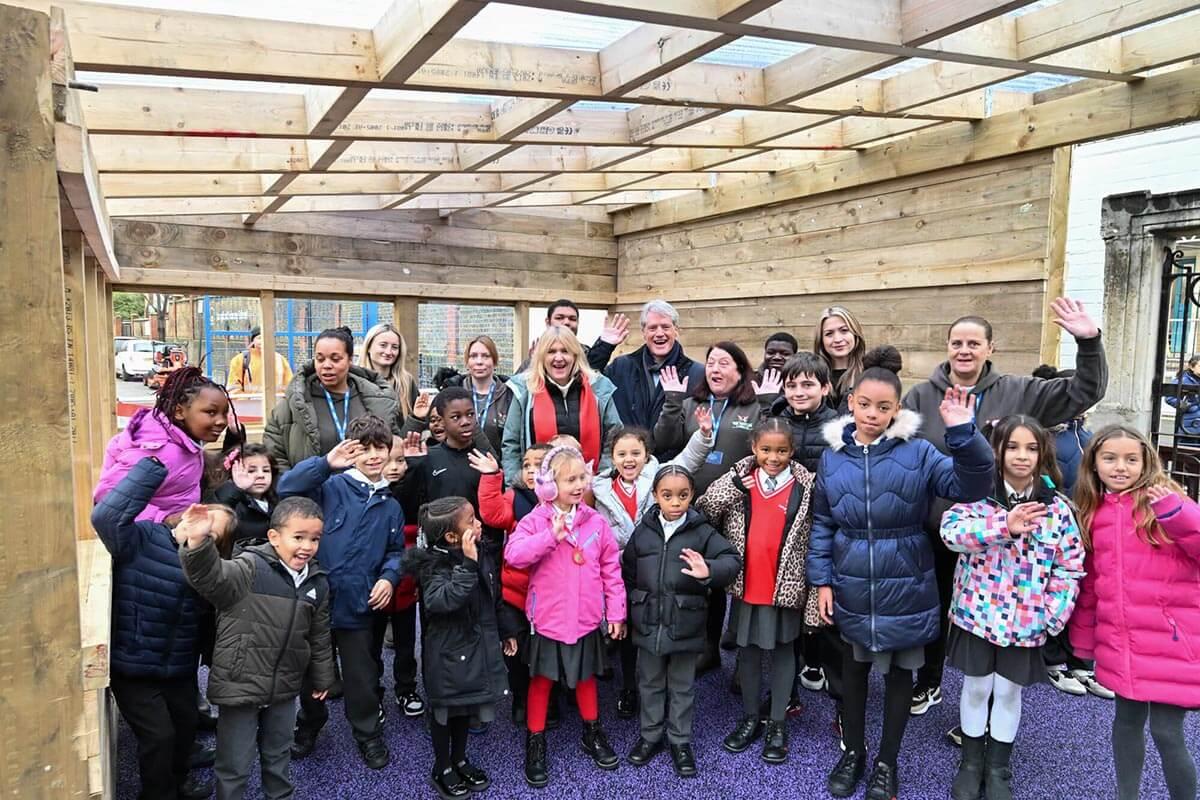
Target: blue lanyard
column 717, row 417
column 487, row 404
column 340, row 427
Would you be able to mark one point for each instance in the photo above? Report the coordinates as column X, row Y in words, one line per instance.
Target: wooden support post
column 108, row 369
column 98, row 362
column 83, row 395
column 39, row 591
column 266, row 300
column 520, row 333
column 1056, row 250
column 405, row 316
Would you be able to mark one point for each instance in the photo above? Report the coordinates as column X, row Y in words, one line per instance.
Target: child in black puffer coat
column 461, row 649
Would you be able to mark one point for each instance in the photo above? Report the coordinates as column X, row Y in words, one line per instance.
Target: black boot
column 775, row 744
column 202, row 756
column 968, row 782
column 997, row 782
column 847, row 773
column 304, row 742
column 883, row 783
column 535, row 760
column 596, row 745
column 627, row 704
column 749, row 729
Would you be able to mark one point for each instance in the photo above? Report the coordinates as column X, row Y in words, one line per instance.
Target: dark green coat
column 270, row 632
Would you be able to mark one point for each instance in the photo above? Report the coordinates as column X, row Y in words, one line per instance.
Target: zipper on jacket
column 532, row 612
column 870, row 542
column 662, row 593
column 287, row 638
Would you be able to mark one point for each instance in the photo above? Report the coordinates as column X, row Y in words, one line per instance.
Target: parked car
column 135, row 359
column 119, row 344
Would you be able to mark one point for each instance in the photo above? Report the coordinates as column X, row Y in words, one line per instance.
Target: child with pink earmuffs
column 574, row 568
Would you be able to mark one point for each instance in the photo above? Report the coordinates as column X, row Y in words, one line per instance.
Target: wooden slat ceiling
column 675, row 126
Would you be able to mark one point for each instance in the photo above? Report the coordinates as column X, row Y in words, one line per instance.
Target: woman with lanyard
column 322, row 399
column 489, row 390
column 969, row 349
column 735, row 401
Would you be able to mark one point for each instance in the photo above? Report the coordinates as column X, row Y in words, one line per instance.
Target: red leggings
column 539, row 701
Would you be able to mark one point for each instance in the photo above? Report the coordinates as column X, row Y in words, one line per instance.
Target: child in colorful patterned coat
column 1016, row 583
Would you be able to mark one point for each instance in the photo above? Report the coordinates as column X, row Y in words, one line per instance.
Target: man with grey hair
column 639, row 396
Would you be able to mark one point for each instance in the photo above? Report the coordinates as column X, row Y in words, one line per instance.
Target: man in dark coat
column 639, row 397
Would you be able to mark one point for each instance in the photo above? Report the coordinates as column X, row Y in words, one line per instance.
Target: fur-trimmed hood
column 840, row 432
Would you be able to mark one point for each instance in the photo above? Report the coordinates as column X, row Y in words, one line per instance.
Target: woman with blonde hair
column 839, row 340
column 559, row 394
column 384, row 352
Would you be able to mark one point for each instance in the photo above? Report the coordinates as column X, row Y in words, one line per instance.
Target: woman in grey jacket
column 969, row 347
column 322, row 399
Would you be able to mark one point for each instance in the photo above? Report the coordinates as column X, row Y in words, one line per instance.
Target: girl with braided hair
column 190, row 412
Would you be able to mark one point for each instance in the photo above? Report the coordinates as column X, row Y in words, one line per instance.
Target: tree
column 129, row 305
column 156, row 304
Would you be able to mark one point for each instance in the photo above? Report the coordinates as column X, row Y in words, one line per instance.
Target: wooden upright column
column 39, row 592
column 406, row 316
column 520, row 334
column 266, row 301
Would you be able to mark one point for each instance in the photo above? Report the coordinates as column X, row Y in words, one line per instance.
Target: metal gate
column 1175, row 425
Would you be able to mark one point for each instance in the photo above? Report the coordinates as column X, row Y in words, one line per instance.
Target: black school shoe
column 883, row 784
column 475, row 778
column 749, row 729
column 201, row 756
column 644, row 751
column 304, row 742
column 536, row 774
column 683, row 760
column 448, row 784
column 843, row 781
column 627, row 704
column 375, row 753
column 194, row 789
column 596, row 745
column 775, row 744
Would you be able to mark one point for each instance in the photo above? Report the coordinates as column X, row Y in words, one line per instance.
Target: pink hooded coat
column 566, row 600
column 1138, row 613
column 149, row 433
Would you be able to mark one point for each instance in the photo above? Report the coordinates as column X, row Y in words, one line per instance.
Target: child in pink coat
column 190, row 412
column 1138, row 613
column 575, row 596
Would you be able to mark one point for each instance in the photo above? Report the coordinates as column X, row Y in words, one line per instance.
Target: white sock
column 1006, row 709
column 973, row 706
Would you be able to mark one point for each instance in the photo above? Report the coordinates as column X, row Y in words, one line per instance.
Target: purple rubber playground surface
column 1062, row 753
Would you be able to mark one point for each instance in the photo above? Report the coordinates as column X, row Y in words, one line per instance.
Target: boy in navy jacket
column 154, row 632
column 361, row 549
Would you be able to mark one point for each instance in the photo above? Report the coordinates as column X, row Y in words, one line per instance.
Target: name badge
column 714, row 457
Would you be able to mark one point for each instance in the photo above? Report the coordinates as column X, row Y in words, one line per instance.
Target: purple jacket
column 149, row 433
column 1139, row 606
column 567, row 600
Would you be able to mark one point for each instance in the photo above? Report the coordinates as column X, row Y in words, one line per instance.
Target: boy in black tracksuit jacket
column 272, row 638
column 804, row 403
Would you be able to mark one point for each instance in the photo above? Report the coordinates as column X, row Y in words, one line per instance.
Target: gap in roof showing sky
column 751, row 51
column 171, row 81
column 499, row 22
column 1035, row 82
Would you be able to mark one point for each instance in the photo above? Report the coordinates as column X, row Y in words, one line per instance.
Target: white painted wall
column 1165, row 160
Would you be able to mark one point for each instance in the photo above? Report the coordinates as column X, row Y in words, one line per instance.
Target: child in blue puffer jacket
column 870, row 557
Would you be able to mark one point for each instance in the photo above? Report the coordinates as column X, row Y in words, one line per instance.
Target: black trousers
column 944, row 561
column 404, row 642
column 360, row 679
column 163, row 717
column 718, row 602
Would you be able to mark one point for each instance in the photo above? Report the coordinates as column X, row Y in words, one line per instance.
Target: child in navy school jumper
column 154, row 630
column 361, row 548
column 871, row 560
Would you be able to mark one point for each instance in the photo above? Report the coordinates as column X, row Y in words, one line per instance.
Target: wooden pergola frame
column 700, row 128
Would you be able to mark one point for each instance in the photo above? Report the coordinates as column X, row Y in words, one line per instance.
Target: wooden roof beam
column 1161, row 100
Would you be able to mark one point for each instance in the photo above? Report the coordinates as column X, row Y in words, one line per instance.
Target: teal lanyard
column 340, row 427
column 487, row 404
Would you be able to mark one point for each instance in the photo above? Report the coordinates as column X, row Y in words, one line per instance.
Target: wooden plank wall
column 471, row 255
column 906, row 256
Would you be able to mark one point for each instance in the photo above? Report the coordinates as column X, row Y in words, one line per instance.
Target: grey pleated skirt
column 480, row 712
column 908, row 658
column 764, row 627
column 975, row 656
column 567, row 663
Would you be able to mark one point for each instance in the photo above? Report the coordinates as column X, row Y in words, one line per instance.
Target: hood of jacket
column 780, row 408
column 942, row 377
column 839, row 433
column 148, row 429
column 267, row 553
